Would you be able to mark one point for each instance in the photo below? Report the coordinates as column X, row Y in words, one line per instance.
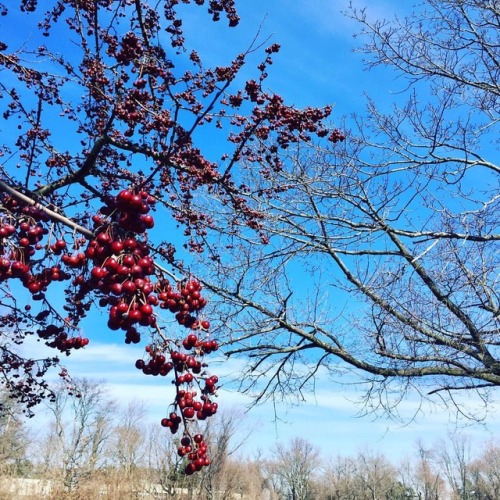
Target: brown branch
column 346, row 356
column 80, row 174
column 50, row 213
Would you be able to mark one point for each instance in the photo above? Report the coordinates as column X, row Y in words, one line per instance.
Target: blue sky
column 316, row 66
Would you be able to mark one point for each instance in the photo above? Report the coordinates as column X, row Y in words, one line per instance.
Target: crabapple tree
column 105, row 113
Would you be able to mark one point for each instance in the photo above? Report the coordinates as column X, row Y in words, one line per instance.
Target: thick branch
column 81, row 173
column 50, row 213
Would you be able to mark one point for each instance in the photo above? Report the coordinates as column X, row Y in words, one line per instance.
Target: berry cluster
column 183, row 302
column 121, row 265
column 74, row 261
column 122, row 273
column 65, row 343
column 60, row 339
column 133, row 210
column 22, row 230
column 157, row 364
column 116, row 269
column 196, row 452
column 131, row 49
column 172, row 422
column 187, row 363
column 195, row 448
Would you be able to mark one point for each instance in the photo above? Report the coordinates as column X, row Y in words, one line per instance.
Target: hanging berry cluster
column 122, row 269
column 189, row 368
column 24, row 230
column 123, row 272
column 21, row 232
column 113, row 266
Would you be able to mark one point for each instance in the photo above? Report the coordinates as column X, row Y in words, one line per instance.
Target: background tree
column 377, row 478
column 291, row 471
column 128, row 436
column 383, row 249
column 428, row 480
column 222, row 480
column 339, row 479
column 14, row 439
column 486, row 473
column 456, row 460
column 367, row 475
column 126, row 450
column 80, row 428
column 164, row 465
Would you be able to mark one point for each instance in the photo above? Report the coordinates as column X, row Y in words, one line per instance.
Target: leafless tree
column 382, row 255
column 224, row 477
column 127, row 447
column 365, row 476
column 126, row 451
column 291, row 471
column 455, row 456
column 295, row 470
column 486, row 473
column 339, row 479
column 376, row 477
column 14, row 438
column 165, row 466
column 80, row 427
column 427, row 479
